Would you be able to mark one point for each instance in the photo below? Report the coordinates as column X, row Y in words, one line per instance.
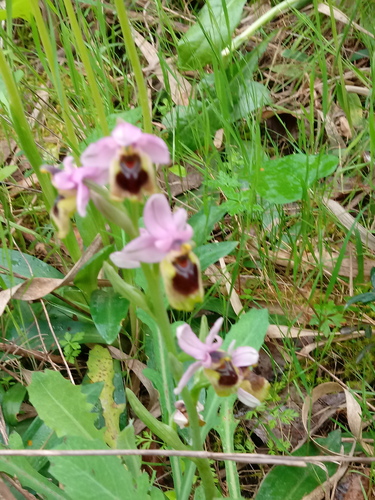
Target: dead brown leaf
column 36, row 288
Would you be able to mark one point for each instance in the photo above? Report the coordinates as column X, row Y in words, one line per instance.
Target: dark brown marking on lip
column 186, row 280
column 132, row 177
column 227, row 374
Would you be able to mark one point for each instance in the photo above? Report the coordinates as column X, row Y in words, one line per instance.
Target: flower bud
column 180, row 416
column 182, row 278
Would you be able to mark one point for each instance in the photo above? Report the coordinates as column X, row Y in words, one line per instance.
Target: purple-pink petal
column 154, row 147
column 190, row 343
column 244, row 356
column 157, row 217
column 83, row 197
column 247, row 399
column 213, row 334
column 126, row 134
column 100, row 154
column 139, row 250
column 187, row 376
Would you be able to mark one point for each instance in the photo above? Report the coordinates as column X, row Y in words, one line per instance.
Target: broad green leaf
column 62, row 405
column 6, row 172
column 372, row 277
column 212, row 31
column 100, row 365
column 362, row 298
column 204, row 221
column 212, row 252
column 21, row 468
column 294, row 483
column 250, row 329
column 355, row 109
column 25, row 265
column 92, row 477
column 87, row 277
column 108, row 309
column 20, row 8
column 188, row 122
column 178, row 170
column 12, row 402
column 39, row 436
column 63, row 320
column 247, row 97
column 126, row 441
column 284, row 180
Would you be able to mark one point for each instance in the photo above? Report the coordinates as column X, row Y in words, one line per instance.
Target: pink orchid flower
column 70, row 181
column 208, row 354
column 128, row 155
column 164, row 231
column 102, row 152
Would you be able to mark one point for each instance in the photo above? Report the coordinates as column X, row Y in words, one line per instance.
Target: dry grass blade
column 179, row 87
column 137, row 367
column 37, row 288
column 341, row 17
column 350, row 223
column 353, row 409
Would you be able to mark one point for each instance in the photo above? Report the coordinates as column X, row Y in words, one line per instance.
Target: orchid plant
column 163, row 249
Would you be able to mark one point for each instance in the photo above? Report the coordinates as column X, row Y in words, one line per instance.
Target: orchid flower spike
column 127, row 154
column 164, row 231
column 224, row 370
column 73, row 193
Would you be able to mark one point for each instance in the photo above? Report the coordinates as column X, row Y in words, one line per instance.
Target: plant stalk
column 259, row 23
column 202, row 464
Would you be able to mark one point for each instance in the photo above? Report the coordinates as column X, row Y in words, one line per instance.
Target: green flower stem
column 53, row 66
column 156, row 301
column 131, row 51
column 23, row 131
column 203, row 463
column 226, row 435
column 91, row 78
column 163, row 431
column 259, row 23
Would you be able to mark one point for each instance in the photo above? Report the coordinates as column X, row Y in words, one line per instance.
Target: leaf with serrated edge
column 92, row 477
column 62, row 405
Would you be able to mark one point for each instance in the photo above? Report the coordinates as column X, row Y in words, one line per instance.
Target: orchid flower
column 127, row 154
column 223, row 369
column 182, row 278
column 164, row 231
column 73, row 193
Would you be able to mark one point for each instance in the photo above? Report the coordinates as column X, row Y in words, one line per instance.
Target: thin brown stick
column 29, row 353
column 249, row 458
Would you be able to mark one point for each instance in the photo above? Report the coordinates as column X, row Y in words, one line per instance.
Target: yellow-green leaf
column 100, row 366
